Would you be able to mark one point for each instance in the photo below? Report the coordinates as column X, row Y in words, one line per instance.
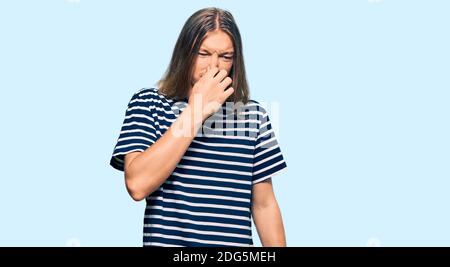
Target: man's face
column 216, row 50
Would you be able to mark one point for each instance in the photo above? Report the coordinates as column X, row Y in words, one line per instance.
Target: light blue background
column 362, row 85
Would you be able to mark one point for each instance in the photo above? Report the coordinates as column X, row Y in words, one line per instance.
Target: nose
column 214, row 60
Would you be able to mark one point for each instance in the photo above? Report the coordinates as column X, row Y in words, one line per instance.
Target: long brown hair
column 178, row 78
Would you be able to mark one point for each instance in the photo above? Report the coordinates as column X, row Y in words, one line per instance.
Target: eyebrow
column 225, row 52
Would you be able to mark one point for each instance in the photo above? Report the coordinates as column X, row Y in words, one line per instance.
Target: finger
column 211, row 72
column 224, row 84
column 227, row 93
column 221, row 75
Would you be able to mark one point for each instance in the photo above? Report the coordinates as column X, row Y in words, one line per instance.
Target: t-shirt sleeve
column 138, row 131
column 267, row 158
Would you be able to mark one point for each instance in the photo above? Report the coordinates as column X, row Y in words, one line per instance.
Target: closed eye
column 226, row 57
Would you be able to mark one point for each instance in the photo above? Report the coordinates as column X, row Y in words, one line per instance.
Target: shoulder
column 147, row 94
column 150, row 97
column 255, row 107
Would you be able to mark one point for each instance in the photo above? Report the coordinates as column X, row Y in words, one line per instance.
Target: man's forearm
column 269, row 224
column 150, row 169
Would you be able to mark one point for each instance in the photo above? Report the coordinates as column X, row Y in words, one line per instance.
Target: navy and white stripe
column 207, row 199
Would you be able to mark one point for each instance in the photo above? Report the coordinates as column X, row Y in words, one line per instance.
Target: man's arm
column 146, row 171
column 267, row 215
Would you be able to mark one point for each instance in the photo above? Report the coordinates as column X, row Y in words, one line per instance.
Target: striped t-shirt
column 206, row 201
